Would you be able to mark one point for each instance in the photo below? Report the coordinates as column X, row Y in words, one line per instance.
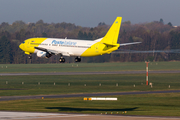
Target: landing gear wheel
column 30, row 57
column 61, row 60
column 77, row 59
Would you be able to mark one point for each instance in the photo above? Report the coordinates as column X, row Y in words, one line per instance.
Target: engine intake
column 43, row 54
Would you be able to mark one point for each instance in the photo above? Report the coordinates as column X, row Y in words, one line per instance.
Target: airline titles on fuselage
column 60, row 43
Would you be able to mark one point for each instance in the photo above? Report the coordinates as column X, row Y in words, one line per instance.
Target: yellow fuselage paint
column 99, row 49
column 29, row 44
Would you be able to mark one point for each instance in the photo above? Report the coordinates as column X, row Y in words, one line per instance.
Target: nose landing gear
column 30, row 56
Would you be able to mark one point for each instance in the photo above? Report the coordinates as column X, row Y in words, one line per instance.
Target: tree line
column 154, row 36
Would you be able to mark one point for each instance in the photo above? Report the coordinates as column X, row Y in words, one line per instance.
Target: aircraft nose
column 21, row 46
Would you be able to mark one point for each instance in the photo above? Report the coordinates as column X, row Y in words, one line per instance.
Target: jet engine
column 43, row 54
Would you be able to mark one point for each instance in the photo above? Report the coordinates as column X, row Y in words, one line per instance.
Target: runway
column 6, row 98
column 57, row 116
column 90, row 73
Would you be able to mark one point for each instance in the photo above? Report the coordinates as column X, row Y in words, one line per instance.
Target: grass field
column 77, row 83
column 87, row 67
column 147, row 104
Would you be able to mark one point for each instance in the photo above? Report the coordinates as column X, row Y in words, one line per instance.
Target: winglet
column 111, row 36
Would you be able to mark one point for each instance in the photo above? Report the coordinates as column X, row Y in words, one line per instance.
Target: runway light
column 151, row 84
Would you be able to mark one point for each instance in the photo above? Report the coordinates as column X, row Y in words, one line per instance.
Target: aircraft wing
column 149, row 51
column 54, row 52
column 47, row 50
column 123, row 44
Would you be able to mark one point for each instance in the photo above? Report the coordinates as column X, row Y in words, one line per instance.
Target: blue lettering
column 63, row 42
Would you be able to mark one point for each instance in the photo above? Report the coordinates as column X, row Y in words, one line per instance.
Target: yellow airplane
column 46, row 47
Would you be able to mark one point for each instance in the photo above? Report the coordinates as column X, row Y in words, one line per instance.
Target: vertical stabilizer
column 111, row 36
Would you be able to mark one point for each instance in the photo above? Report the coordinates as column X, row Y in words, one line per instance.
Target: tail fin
column 111, row 36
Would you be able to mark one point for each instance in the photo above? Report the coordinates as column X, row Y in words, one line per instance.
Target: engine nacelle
column 43, row 54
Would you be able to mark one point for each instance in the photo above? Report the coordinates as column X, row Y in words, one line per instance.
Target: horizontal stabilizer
column 123, row 44
column 113, row 45
column 148, row 51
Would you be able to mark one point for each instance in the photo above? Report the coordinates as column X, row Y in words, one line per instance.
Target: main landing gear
column 77, row 59
column 61, row 60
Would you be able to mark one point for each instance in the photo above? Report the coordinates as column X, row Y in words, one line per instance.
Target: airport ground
column 62, row 116
column 87, row 67
column 157, row 104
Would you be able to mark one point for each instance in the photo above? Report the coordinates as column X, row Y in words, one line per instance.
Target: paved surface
column 90, row 73
column 60, row 116
column 5, row 98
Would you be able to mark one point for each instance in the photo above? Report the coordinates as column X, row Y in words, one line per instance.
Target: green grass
column 108, row 82
column 87, row 67
column 147, row 104
column 166, row 104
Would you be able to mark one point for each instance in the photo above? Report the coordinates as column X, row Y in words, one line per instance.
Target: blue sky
column 88, row 13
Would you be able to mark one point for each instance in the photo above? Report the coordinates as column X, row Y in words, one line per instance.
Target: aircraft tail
column 111, row 36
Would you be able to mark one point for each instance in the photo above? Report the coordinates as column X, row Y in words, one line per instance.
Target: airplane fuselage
column 46, row 47
column 67, row 47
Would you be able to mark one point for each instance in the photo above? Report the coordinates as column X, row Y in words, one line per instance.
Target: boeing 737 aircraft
column 46, row 47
